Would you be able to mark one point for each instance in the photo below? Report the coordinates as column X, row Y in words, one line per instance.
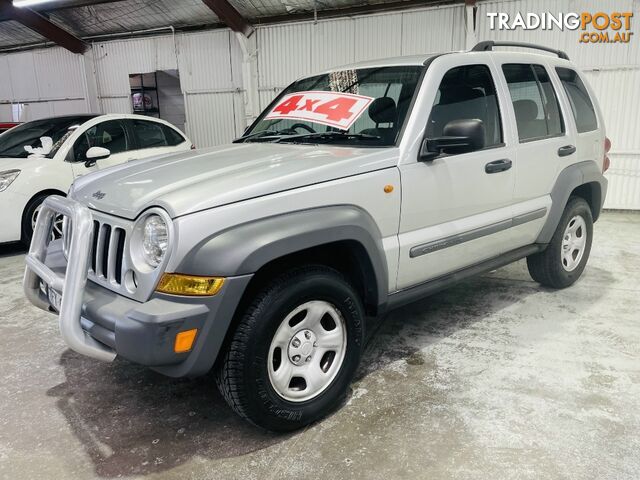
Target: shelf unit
column 138, row 86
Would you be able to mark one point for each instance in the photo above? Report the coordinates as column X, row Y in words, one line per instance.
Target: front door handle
column 498, row 166
column 566, row 150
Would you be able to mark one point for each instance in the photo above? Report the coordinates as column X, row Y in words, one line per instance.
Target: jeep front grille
column 107, row 253
column 110, row 263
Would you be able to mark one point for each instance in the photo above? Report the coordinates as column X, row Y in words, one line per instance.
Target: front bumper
column 98, row 322
column 11, row 216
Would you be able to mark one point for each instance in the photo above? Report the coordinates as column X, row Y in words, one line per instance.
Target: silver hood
column 201, row 179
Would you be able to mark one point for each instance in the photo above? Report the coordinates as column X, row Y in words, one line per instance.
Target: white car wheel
column 56, row 231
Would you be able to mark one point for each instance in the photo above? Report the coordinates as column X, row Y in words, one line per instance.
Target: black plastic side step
column 488, row 45
column 418, row 292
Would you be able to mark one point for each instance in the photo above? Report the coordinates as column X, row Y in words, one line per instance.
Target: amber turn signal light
column 184, row 340
column 190, row 285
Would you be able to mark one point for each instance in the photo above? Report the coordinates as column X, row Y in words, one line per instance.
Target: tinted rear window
column 581, row 104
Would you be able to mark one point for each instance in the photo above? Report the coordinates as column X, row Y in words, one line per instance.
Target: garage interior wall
column 53, row 81
column 47, row 82
column 613, row 70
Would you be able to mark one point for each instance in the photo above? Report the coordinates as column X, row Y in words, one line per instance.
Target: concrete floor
column 495, row 378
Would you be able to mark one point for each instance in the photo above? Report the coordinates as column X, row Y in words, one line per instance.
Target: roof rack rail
column 488, row 45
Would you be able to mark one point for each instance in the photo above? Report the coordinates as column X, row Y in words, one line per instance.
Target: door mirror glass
column 458, row 136
column 96, row 153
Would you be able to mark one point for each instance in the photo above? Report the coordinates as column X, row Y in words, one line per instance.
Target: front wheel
column 30, row 216
column 295, row 350
column 565, row 258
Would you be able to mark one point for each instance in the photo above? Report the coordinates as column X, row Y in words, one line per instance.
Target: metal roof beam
column 42, row 26
column 231, row 17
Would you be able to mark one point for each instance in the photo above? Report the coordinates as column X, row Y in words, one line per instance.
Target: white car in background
column 61, row 149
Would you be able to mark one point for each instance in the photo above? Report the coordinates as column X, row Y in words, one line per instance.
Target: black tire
column 242, row 373
column 547, row 266
column 27, row 228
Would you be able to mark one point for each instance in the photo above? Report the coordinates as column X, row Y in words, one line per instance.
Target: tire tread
column 545, row 267
column 229, row 375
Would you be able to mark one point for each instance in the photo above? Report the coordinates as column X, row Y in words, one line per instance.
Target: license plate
column 55, row 299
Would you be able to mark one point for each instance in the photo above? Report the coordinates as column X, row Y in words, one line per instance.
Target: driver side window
column 110, row 135
column 467, row 92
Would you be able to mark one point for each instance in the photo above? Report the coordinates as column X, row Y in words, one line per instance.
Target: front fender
column 245, row 248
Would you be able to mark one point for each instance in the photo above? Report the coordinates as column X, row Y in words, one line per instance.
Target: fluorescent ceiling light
column 29, row 3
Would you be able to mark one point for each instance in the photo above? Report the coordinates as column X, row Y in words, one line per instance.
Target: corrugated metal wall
column 289, row 51
column 210, row 66
column 613, row 70
column 49, row 82
column 210, row 63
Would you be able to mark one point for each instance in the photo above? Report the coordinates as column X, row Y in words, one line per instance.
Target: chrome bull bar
column 71, row 286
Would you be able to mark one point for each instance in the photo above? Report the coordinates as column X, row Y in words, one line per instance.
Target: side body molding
column 582, row 173
column 245, row 248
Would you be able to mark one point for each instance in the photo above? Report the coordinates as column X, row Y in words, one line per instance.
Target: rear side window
column 173, row 137
column 534, row 101
column 467, row 92
column 149, row 134
column 581, row 104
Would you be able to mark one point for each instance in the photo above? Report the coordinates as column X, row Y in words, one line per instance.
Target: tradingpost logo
column 599, row 27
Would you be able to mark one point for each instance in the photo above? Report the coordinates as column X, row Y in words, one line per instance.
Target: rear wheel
column 564, row 260
column 294, row 351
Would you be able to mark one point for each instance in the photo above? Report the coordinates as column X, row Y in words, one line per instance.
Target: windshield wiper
column 327, row 136
column 262, row 135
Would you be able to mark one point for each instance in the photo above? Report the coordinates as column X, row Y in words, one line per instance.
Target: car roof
column 85, row 117
column 133, row 116
column 422, row 59
column 79, row 116
column 387, row 62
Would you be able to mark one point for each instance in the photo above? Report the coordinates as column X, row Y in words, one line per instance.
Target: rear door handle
column 566, row 150
column 498, row 166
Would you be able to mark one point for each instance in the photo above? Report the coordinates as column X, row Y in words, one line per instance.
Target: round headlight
column 155, row 238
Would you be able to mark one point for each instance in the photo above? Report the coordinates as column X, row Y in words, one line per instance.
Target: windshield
column 362, row 107
column 12, row 142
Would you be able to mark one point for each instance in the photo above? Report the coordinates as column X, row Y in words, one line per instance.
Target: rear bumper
column 102, row 324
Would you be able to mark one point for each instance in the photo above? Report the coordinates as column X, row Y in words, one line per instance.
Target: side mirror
column 458, row 136
column 94, row 154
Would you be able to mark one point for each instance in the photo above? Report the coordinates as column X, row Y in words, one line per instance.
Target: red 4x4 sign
column 335, row 109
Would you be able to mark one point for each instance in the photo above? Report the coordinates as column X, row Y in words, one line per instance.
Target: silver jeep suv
column 357, row 190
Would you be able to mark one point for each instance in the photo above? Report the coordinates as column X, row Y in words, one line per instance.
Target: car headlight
column 154, row 240
column 7, row 177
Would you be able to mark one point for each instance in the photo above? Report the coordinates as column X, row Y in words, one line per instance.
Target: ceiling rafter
column 41, row 25
column 228, row 15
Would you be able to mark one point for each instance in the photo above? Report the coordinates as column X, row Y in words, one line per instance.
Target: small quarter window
column 172, row 136
column 534, row 101
column 581, row 104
